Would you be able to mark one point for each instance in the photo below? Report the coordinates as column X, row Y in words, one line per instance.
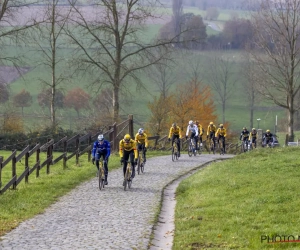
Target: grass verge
column 33, row 198
column 232, row 204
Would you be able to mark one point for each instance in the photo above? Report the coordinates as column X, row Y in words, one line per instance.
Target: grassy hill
column 233, row 204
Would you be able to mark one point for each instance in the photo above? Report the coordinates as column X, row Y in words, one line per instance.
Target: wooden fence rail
column 74, row 142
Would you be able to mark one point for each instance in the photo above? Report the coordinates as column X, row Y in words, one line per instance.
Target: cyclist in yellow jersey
column 200, row 131
column 142, row 142
column 221, row 134
column 211, row 130
column 175, row 132
column 253, row 137
column 128, row 149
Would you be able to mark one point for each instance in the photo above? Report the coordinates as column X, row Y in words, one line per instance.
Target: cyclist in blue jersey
column 101, row 148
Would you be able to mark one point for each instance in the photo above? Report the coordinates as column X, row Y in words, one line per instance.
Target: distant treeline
column 222, row 4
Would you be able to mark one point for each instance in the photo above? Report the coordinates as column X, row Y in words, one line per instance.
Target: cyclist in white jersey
column 193, row 128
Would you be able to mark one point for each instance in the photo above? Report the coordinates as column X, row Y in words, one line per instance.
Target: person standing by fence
column 101, row 148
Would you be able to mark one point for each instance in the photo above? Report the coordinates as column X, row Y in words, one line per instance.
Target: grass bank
column 33, row 198
column 232, row 204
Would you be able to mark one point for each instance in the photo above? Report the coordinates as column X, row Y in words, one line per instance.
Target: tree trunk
column 251, row 116
column 116, row 104
column 291, row 117
column 53, row 86
column 223, row 111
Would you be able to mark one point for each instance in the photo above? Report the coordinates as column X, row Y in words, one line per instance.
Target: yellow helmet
column 221, row 125
column 253, row 129
column 127, row 137
column 268, row 131
column 211, row 123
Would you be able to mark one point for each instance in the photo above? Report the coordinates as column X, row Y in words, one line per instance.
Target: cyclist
column 253, row 137
column 268, row 137
column 194, row 132
column 221, row 134
column 245, row 135
column 142, row 142
column 101, row 148
column 175, row 132
column 200, row 131
column 128, row 150
column 211, row 130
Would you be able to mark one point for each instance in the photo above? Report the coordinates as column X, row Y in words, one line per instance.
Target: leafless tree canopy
column 276, row 54
column 111, row 45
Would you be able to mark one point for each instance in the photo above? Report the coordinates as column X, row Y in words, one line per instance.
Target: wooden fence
column 80, row 144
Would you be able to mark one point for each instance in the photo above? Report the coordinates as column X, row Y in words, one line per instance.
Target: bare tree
column 14, row 25
column 163, row 76
column 221, row 79
column 110, row 43
column 277, row 54
column 252, row 95
column 177, row 6
column 49, row 41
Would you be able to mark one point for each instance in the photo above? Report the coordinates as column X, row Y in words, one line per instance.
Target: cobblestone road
column 87, row 218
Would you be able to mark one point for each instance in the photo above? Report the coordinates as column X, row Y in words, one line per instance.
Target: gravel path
column 87, row 218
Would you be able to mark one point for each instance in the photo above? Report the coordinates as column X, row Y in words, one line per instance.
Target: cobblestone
column 87, row 218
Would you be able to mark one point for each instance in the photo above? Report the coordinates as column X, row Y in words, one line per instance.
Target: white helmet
column 141, row 131
column 100, row 137
column 190, row 122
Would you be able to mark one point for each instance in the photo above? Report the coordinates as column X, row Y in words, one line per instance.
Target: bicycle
column 221, row 147
column 192, row 148
column 101, row 174
column 244, row 146
column 141, row 160
column 127, row 177
column 212, row 147
column 175, row 151
column 200, row 147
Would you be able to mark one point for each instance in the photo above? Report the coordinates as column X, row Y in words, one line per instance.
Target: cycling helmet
column 197, row 122
column 127, row 137
column 141, row 131
column 244, row 128
column 253, row 129
column 100, row 137
column 268, row 131
column 190, row 122
column 174, row 124
column 211, row 123
column 221, row 125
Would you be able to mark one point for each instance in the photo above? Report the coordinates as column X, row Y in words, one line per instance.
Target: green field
column 232, row 204
column 237, row 112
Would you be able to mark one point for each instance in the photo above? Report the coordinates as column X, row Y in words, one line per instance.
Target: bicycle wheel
column 129, row 179
column 142, row 167
column 173, row 154
column 139, row 165
column 126, row 178
column 190, row 150
column 100, row 176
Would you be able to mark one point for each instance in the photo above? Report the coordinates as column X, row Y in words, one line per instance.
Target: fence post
column 26, row 166
column 286, row 140
column 77, row 150
column 49, row 153
column 38, row 160
column 14, row 170
column 90, row 151
column 65, row 156
column 130, row 125
column 1, row 160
